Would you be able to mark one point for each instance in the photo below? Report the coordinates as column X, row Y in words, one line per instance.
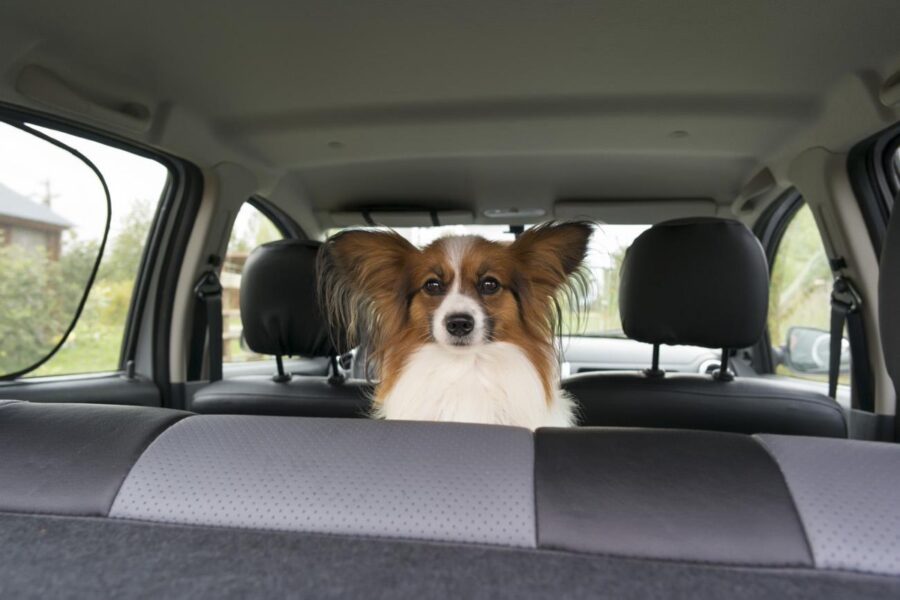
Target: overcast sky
column 27, row 162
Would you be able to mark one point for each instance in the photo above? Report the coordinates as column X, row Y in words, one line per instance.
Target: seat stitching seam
column 153, row 441
column 761, row 442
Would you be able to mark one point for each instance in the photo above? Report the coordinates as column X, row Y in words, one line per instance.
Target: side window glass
column 800, row 303
column 251, row 229
column 53, row 222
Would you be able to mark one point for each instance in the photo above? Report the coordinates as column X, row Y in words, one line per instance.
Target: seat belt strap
column 863, row 386
column 845, row 301
column 209, row 291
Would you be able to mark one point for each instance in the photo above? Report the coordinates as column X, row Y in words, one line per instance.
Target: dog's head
column 458, row 292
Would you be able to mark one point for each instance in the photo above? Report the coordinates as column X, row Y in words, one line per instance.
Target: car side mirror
column 807, row 351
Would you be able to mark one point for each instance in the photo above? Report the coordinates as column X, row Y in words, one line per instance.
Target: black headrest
column 889, row 298
column 699, row 282
column 279, row 310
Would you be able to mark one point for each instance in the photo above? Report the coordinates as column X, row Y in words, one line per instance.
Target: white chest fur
column 492, row 383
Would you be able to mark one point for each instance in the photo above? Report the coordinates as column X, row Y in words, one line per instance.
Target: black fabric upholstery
column 662, row 495
column 279, row 306
column 889, row 299
column 694, row 401
column 46, row 557
column 701, row 282
column 301, row 396
column 280, row 314
column 71, row 459
column 697, row 496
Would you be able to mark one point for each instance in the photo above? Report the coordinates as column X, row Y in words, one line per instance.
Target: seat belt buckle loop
column 208, row 287
column 845, row 294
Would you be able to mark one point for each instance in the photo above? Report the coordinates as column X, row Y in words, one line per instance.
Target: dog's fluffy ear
column 362, row 275
column 551, row 253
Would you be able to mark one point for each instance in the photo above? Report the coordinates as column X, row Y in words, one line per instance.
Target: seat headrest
column 699, row 282
column 279, row 307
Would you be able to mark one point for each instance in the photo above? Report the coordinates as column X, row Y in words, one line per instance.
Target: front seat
column 701, row 282
column 281, row 317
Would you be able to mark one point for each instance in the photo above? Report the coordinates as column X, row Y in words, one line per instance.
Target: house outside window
column 30, row 224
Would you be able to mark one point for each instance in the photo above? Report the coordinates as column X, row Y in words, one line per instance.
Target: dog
column 463, row 329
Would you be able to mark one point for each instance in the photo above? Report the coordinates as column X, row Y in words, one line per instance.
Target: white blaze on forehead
column 455, row 249
column 456, row 302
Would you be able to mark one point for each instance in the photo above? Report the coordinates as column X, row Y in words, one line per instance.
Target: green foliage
column 801, row 280
column 125, row 249
column 251, row 229
column 39, row 297
column 800, row 292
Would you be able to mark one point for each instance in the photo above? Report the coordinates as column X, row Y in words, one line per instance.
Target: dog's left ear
column 550, row 253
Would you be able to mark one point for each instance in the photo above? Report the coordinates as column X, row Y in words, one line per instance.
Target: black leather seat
column 701, row 282
column 281, row 317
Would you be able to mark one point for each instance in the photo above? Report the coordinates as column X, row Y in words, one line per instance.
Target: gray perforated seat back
column 448, row 482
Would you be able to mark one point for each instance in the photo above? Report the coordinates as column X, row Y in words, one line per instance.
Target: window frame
column 770, row 229
column 174, row 198
column 875, row 186
column 289, row 229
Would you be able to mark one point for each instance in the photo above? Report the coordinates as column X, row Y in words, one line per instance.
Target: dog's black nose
column 459, row 324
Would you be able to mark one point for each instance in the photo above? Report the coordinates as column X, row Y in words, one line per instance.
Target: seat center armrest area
column 674, row 495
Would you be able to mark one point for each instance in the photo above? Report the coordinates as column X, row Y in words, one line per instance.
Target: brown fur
column 371, row 286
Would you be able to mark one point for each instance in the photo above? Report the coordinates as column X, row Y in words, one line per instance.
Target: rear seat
column 281, row 317
column 118, row 500
column 774, row 502
column 701, row 282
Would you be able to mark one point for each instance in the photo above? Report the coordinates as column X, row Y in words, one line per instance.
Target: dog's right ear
column 362, row 279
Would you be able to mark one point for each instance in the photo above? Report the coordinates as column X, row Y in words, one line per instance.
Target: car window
column 53, row 214
column 800, row 303
column 604, row 261
column 251, row 229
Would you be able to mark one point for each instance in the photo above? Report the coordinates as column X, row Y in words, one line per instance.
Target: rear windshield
column 607, row 249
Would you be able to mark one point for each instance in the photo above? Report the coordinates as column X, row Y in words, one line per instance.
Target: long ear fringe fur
column 342, row 304
column 569, row 307
column 350, row 313
column 353, row 321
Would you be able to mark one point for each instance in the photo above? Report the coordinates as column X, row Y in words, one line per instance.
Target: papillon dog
column 463, row 329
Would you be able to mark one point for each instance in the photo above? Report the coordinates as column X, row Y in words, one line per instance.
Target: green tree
column 126, row 247
column 800, row 280
column 38, row 299
column 95, row 343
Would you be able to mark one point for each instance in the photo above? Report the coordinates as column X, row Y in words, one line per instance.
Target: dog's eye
column 433, row 287
column 488, row 286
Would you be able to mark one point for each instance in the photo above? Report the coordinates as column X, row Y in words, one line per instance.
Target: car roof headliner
column 471, row 103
